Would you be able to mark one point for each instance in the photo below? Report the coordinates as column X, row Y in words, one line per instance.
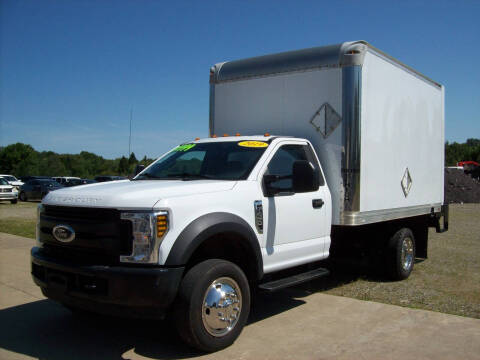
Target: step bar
column 293, row 280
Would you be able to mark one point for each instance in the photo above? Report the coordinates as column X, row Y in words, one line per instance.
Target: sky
column 71, row 71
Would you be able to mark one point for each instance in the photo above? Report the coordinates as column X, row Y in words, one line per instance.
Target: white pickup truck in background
column 355, row 158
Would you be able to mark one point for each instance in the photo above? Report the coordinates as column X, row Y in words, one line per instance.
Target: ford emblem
column 63, row 233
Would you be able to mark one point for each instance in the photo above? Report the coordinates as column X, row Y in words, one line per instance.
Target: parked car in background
column 32, row 177
column 7, row 191
column 77, row 182
column 36, row 189
column 12, row 180
column 103, row 178
column 67, row 180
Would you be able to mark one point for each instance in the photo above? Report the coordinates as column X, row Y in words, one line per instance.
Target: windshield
column 9, row 178
column 230, row 160
column 3, row 181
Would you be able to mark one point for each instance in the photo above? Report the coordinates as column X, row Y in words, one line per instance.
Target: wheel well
column 227, row 246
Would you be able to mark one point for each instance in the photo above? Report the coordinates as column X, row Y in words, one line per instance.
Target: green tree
column 132, row 160
column 455, row 152
column 123, row 166
column 12, row 155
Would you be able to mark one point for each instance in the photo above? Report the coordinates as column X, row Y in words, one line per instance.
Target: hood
column 138, row 194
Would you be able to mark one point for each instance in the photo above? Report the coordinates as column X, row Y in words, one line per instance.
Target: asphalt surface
column 291, row 324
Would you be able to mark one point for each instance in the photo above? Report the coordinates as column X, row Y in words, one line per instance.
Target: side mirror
column 267, row 181
column 304, row 177
column 138, row 169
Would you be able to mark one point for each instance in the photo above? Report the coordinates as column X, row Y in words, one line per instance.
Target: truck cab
column 247, row 205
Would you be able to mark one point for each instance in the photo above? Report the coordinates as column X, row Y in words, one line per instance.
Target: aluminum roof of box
column 339, row 55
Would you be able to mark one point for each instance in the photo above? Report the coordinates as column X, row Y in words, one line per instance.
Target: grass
column 448, row 281
column 20, row 227
column 18, row 219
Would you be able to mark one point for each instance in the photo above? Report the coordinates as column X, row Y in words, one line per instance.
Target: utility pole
column 130, row 137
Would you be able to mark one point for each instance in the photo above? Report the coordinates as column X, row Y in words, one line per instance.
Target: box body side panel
column 401, row 128
column 286, row 105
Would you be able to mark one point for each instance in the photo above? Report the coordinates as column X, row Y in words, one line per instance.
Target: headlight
column 40, row 209
column 148, row 230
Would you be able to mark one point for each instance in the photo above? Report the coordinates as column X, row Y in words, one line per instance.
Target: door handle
column 317, row 203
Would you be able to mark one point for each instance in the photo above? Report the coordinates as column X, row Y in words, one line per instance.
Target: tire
column 23, row 196
column 13, row 201
column 401, row 254
column 203, row 326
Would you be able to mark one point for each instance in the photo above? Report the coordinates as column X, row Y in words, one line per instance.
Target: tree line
column 22, row 160
column 455, row 152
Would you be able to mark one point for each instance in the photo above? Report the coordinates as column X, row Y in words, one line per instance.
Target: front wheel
column 212, row 305
column 402, row 254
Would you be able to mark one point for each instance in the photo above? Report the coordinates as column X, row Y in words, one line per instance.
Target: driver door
column 296, row 228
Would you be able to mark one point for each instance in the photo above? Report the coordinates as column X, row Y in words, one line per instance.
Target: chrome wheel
column 407, row 253
column 221, row 306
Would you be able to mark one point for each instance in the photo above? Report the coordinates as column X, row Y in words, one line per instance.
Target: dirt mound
column 460, row 187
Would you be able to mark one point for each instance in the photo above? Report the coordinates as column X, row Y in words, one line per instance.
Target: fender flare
column 210, row 225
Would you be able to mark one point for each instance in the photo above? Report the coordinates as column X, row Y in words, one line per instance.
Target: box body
column 376, row 124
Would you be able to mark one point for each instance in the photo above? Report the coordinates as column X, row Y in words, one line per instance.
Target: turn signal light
column 266, row 134
column 214, row 136
column 237, row 134
column 225, row 135
column 161, row 225
column 197, row 139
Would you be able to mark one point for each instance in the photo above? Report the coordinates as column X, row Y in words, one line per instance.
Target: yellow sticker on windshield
column 253, row 144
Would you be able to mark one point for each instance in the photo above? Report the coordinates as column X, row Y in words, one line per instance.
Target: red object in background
column 463, row 163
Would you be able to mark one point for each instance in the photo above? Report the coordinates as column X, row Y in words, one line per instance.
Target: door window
column 282, row 165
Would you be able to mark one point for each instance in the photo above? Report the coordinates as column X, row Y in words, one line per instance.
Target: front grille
column 5, row 190
column 101, row 237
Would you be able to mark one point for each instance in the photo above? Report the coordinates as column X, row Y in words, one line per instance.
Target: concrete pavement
column 292, row 324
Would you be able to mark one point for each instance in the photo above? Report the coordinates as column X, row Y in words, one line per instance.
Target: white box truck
column 311, row 152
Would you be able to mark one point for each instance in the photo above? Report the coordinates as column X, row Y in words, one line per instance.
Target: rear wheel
column 213, row 304
column 23, row 196
column 401, row 254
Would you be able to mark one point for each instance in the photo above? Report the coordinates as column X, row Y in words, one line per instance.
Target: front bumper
column 8, row 196
column 140, row 292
